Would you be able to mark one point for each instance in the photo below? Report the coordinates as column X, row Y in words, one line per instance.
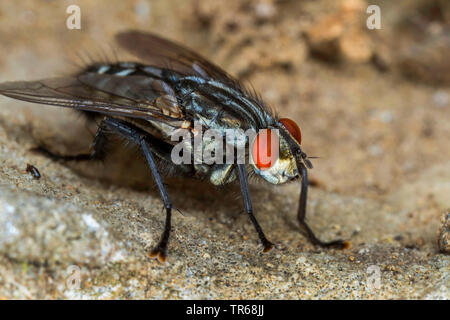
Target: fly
column 172, row 88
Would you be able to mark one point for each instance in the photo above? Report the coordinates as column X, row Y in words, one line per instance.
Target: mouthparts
column 304, row 159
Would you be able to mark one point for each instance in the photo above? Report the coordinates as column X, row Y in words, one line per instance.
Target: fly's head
column 277, row 154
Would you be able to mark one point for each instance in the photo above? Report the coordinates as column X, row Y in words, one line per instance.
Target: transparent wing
column 163, row 53
column 133, row 96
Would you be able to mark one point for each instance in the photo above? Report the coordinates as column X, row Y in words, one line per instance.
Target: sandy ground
column 374, row 105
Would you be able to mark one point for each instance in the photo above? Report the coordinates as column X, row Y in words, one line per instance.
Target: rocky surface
column 380, row 128
column 443, row 237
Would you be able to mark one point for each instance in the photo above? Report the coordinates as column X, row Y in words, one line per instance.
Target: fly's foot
column 58, row 157
column 158, row 253
column 337, row 244
column 44, row 151
column 267, row 245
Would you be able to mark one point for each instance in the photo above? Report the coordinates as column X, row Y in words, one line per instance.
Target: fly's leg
column 136, row 135
column 139, row 137
column 248, row 207
column 160, row 250
column 340, row 244
column 97, row 153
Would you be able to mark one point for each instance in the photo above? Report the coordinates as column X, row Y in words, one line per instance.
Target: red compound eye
column 265, row 149
column 293, row 128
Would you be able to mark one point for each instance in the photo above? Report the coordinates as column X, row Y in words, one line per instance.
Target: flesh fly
column 172, row 88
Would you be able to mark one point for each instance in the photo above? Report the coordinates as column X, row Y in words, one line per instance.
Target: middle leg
column 249, row 209
column 142, row 139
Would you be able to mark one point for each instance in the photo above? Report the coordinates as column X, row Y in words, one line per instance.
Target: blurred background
column 373, row 104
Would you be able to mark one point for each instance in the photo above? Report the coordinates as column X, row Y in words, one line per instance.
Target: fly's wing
column 163, row 53
column 133, row 96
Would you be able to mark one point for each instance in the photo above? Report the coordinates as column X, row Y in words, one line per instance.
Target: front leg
column 301, row 215
column 248, row 207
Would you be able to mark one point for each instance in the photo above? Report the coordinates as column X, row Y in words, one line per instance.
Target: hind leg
column 148, row 145
column 97, row 153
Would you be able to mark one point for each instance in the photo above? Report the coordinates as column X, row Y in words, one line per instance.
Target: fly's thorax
column 211, row 113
